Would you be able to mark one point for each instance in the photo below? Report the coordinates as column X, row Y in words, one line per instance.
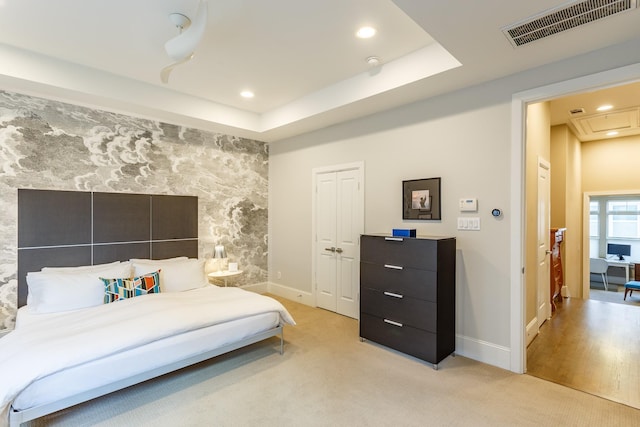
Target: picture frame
column 421, row 199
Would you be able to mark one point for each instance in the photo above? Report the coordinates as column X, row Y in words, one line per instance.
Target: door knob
column 331, row 249
column 548, row 252
column 339, row 250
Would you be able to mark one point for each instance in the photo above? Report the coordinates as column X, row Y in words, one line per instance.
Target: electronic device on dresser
column 407, row 294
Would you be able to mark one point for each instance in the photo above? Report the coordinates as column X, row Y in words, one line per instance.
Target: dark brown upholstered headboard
column 71, row 228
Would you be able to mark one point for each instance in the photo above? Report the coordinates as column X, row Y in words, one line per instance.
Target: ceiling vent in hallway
column 564, row 18
column 595, row 126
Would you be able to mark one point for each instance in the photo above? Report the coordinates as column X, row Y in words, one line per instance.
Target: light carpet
column 327, row 377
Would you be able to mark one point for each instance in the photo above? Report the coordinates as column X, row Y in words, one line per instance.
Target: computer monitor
column 620, row 250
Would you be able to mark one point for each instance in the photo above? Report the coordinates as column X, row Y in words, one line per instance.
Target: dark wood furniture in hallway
column 592, row 346
column 557, row 275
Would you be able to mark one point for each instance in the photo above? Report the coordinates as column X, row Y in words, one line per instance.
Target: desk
column 622, row 264
column 224, row 275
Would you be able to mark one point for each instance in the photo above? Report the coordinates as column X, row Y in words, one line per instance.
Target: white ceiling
column 300, row 57
column 590, row 125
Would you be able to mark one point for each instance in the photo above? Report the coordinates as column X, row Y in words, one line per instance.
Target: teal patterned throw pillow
column 119, row 289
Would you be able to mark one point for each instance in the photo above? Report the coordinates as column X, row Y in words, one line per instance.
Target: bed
column 86, row 330
column 55, row 359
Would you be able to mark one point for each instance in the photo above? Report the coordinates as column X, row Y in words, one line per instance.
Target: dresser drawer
column 416, row 342
column 400, row 251
column 405, row 310
column 408, row 282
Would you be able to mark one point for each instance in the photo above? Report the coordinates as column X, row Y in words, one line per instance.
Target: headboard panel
column 69, row 228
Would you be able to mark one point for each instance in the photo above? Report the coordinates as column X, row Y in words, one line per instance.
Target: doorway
column 519, row 103
column 338, row 222
column 604, row 228
column 589, row 83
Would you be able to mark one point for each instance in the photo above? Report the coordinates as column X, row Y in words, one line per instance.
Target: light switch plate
column 469, row 223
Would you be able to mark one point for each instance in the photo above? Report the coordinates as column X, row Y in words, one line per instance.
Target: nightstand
column 224, row 275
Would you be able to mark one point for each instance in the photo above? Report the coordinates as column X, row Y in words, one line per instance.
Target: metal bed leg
column 281, row 341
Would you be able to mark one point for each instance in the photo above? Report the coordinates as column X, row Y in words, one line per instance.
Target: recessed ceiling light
column 612, row 133
column 604, row 107
column 247, row 94
column 366, row 32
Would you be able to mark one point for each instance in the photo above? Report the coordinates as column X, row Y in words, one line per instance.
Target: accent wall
column 46, row 144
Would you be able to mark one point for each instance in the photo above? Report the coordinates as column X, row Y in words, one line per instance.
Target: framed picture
column 421, row 199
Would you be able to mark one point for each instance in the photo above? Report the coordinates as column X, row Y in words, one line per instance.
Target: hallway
column 592, row 346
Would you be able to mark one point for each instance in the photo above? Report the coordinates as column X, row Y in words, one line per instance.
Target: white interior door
column 339, row 221
column 348, row 248
column 326, row 232
column 543, row 250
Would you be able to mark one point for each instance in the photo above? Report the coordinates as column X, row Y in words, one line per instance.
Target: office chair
column 599, row 266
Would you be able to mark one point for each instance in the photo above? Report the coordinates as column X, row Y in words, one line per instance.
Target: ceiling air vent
column 564, row 18
column 576, row 111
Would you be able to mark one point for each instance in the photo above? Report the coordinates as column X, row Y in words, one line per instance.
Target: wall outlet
column 279, row 275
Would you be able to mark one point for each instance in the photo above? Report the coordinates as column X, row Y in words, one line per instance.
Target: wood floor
column 592, row 346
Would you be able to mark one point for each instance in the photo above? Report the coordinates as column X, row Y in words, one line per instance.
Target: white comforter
column 40, row 349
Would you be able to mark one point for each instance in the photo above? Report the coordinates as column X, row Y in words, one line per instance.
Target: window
column 594, row 224
column 614, row 219
column 623, row 219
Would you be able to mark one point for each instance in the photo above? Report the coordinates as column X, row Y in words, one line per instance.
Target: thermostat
column 468, row 205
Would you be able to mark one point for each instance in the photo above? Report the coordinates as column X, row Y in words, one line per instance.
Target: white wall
column 420, row 141
column 463, row 137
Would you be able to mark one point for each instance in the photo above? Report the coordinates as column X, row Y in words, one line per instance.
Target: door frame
column 358, row 166
column 519, row 101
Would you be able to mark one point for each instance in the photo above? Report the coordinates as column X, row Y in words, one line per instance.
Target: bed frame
column 18, row 417
column 68, row 228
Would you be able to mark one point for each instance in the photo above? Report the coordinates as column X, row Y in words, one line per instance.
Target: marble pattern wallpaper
column 52, row 145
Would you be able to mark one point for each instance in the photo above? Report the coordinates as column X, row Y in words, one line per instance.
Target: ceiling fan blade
column 186, row 42
column 166, row 71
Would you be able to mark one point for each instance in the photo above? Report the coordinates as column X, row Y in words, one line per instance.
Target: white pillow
column 175, row 275
column 55, row 291
column 85, row 268
column 147, row 260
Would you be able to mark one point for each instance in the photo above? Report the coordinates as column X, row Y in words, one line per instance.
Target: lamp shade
column 219, row 252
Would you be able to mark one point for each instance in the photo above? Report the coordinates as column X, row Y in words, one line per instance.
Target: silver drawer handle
column 395, row 267
column 391, row 322
column 391, row 294
column 394, row 239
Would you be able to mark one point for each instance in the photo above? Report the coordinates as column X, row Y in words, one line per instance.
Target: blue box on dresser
column 403, row 232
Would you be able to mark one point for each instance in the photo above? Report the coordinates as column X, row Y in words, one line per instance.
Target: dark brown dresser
column 408, row 294
column 557, row 276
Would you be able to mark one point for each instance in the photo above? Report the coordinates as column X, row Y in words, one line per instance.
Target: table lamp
column 219, row 254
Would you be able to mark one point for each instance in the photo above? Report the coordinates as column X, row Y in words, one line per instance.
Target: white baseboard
column 484, row 352
column 259, row 288
column 481, row 351
column 531, row 331
column 292, row 294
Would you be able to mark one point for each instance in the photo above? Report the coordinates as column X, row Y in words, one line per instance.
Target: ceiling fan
column 182, row 47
